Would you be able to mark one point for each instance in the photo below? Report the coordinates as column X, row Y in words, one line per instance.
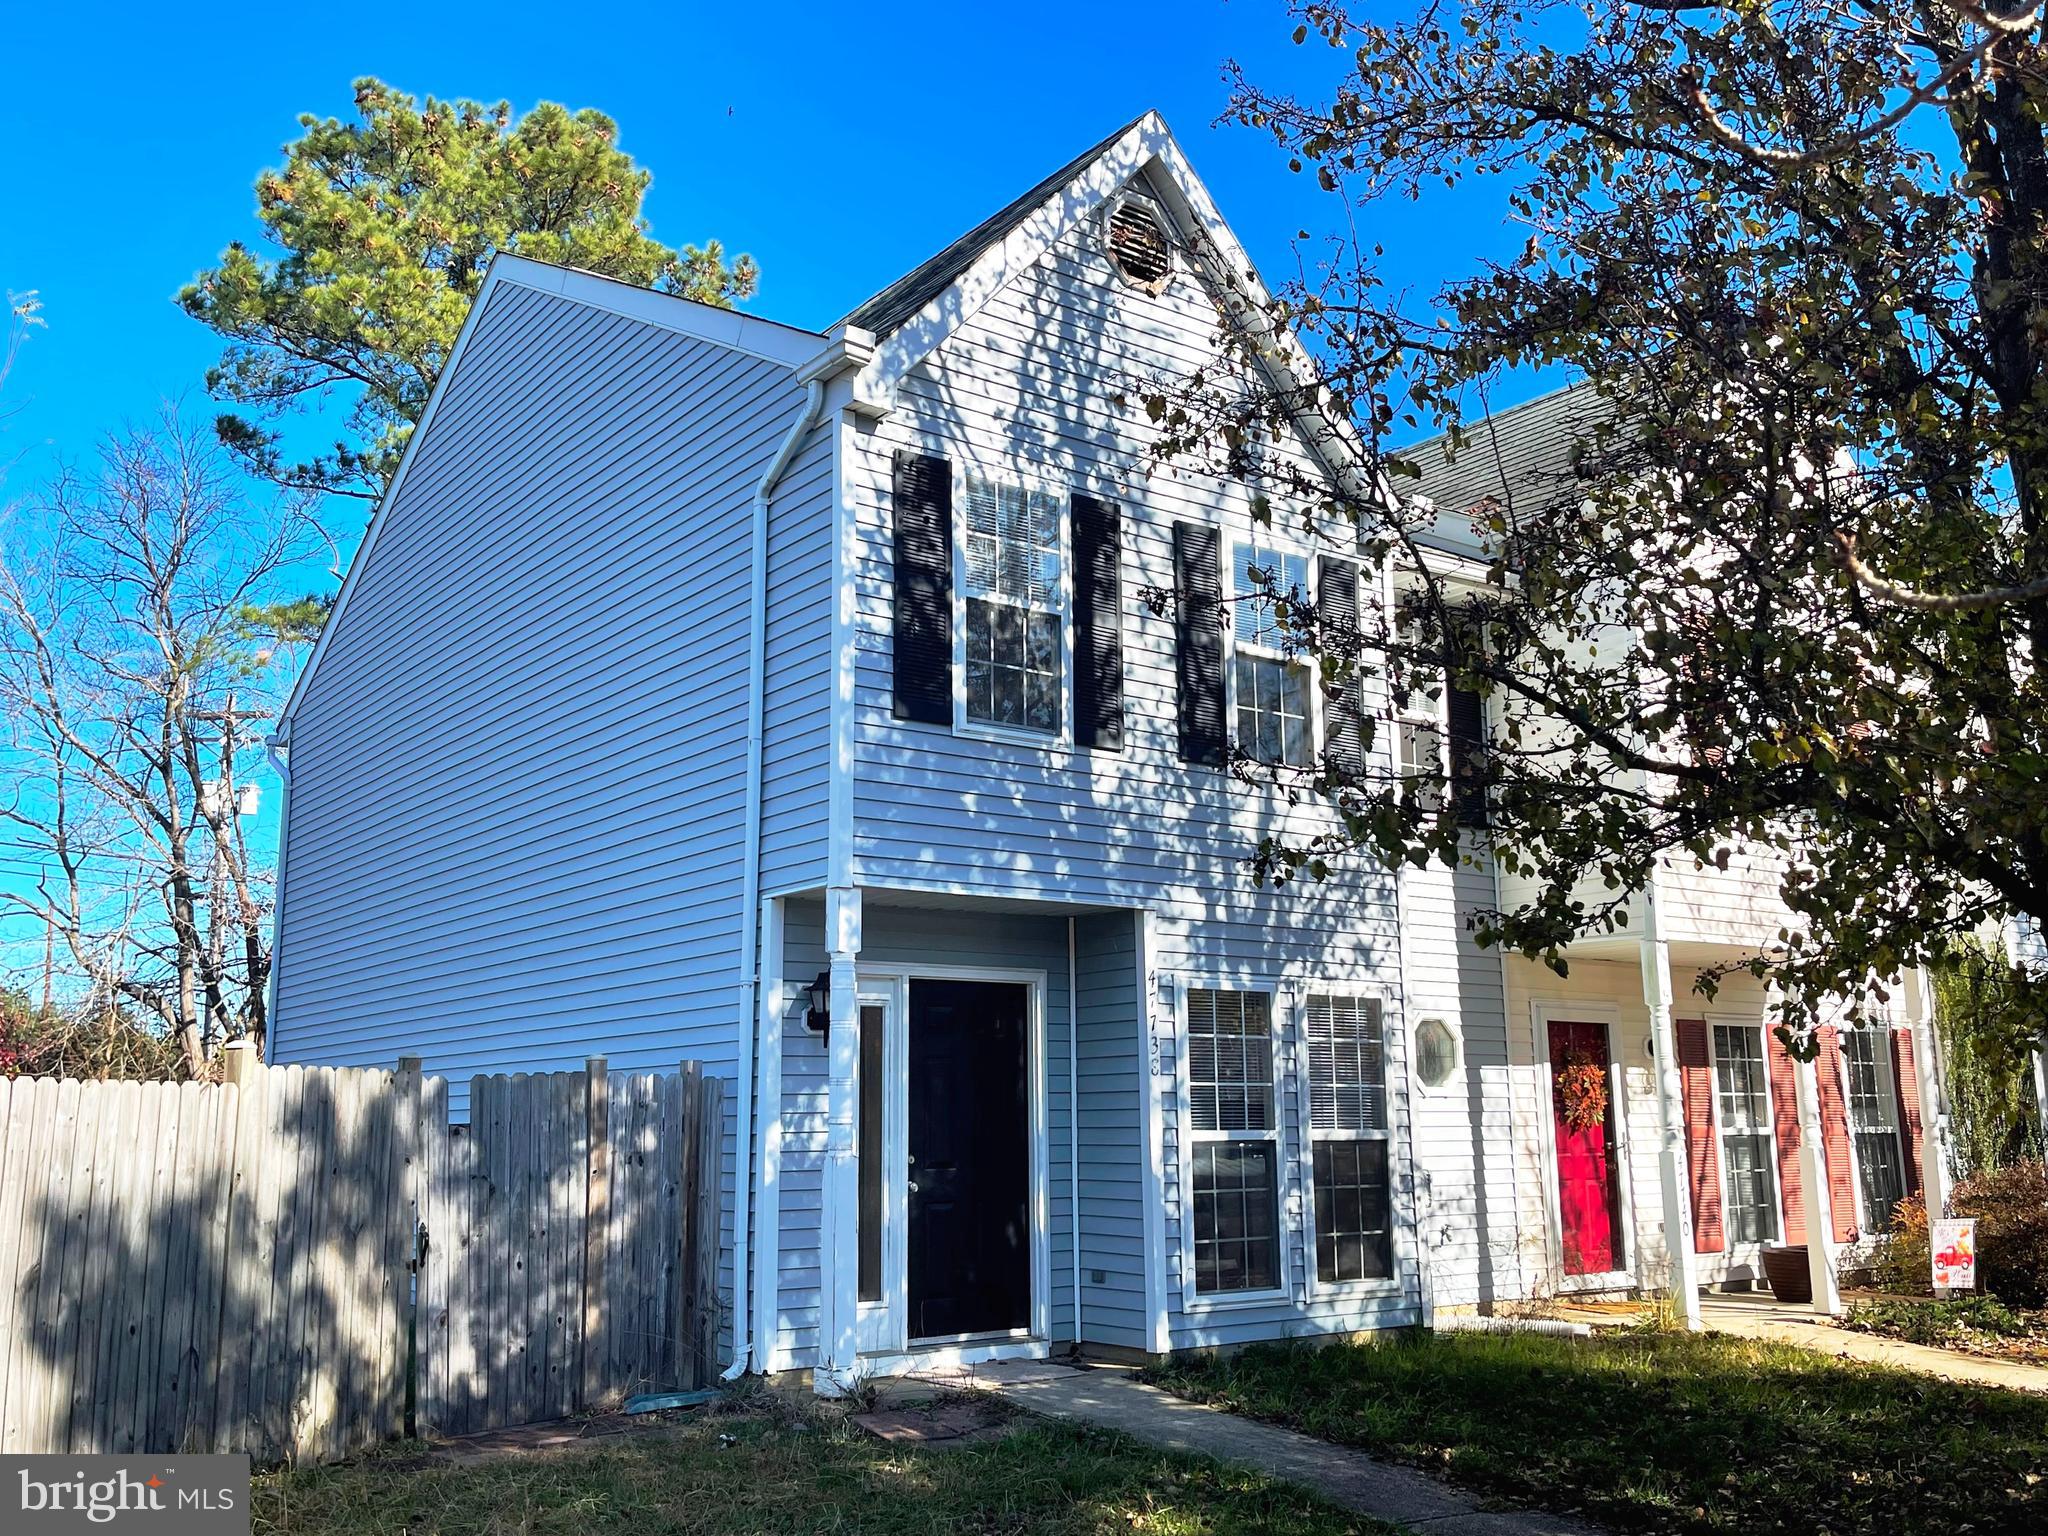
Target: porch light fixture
column 818, row 1019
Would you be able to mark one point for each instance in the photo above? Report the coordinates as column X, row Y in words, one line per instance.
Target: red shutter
column 1702, row 1154
column 1785, row 1134
column 1906, row 1075
column 1834, row 1137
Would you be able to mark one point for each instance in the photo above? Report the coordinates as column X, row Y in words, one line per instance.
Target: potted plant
column 1788, row 1273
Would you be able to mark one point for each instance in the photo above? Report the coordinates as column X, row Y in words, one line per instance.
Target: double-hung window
column 1234, row 1144
column 1347, row 1095
column 1746, row 1149
column 1419, row 732
column 1015, row 606
column 1873, row 1104
column 1272, row 682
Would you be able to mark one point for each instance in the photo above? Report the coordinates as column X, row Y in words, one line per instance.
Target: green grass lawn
column 1665, row 1432
column 793, row 1471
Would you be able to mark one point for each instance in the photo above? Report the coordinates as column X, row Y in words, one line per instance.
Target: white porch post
column 767, row 1277
column 838, row 1342
column 1678, row 1238
column 1934, row 1180
column 2041, row 1089
column 1813, row 1179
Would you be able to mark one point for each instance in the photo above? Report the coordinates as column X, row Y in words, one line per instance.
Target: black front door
column 970, row 1145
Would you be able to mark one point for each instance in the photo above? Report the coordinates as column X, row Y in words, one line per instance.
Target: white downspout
column 750, row 894
column 1074, row 1126
column 275, row 747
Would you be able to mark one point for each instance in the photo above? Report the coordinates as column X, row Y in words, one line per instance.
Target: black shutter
column 1344, row 712
column 1198, row 660
column 1467, row 721
column 923, row 513
column 1097, row 538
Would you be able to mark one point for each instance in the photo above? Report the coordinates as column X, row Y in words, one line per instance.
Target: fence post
column 401, row 1386
column 683, row 1324
column 596, row 1206
column 708, row 1131
column 242, row 1322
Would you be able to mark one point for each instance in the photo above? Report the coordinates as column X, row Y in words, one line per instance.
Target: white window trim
column 1866, row 1225
column 1455, row 1083
column 1236, row 603
column 1318, row 1288
column 1285, row 996
column 1422, row 711
column 893, row 982
column 1737, row 1021
column 1061, row 488
column 1574, row 1011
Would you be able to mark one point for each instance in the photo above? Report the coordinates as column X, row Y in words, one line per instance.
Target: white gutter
column 274, row 748
column 841, row 352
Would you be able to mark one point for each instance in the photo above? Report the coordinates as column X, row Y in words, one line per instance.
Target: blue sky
column 837, row 144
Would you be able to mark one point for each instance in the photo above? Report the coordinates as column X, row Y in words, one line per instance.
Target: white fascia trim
column 1330, row 435
column 921, row 335
column 705, row 322
column 771, row 340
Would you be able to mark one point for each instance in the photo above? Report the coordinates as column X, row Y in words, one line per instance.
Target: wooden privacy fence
column 603, row 1193
column 231, row 1267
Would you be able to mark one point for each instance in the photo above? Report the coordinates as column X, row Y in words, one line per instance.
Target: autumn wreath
column 1582, row 1094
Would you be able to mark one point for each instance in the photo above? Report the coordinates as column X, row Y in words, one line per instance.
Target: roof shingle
column 910, row 293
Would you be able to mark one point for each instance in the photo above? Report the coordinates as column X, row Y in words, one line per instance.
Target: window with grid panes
column 1873, row 1104
column 1347, row 1078
column 1274, row 723
column 1747, row 1158
column 1015, row 605
column 1234, row 1152
column 1418, row 731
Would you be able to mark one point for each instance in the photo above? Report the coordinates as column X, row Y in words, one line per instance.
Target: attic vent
column 1135, row 238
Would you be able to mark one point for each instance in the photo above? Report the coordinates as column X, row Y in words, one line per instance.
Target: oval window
column 1436, row 1053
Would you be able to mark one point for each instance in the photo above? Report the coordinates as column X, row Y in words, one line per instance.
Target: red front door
column 1586, row 1197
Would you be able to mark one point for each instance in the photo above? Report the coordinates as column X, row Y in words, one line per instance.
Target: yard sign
column 1953, row 1245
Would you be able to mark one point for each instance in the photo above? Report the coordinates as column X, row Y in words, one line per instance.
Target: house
column 707, row 687
column 1712, row 1129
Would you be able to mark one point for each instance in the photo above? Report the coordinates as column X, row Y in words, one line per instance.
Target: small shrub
column 1903, row 1263
column 2011, row 1209
column 1949, row 1321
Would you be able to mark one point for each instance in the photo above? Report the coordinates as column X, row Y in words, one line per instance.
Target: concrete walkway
column 1111, row 1397
column 1761, row 1317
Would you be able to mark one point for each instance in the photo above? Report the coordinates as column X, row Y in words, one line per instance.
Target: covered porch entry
column 1677, row 1142
column 951, row 1172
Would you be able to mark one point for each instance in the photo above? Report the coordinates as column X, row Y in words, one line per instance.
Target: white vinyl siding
column 553, row 870
column 985, row 812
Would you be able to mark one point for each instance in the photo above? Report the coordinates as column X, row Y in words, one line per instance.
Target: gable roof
column 895, row 304
column 907, row 321
column 910, row 319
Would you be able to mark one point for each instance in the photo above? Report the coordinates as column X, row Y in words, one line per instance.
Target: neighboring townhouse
column 1750, row 1131
column 711, row 688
